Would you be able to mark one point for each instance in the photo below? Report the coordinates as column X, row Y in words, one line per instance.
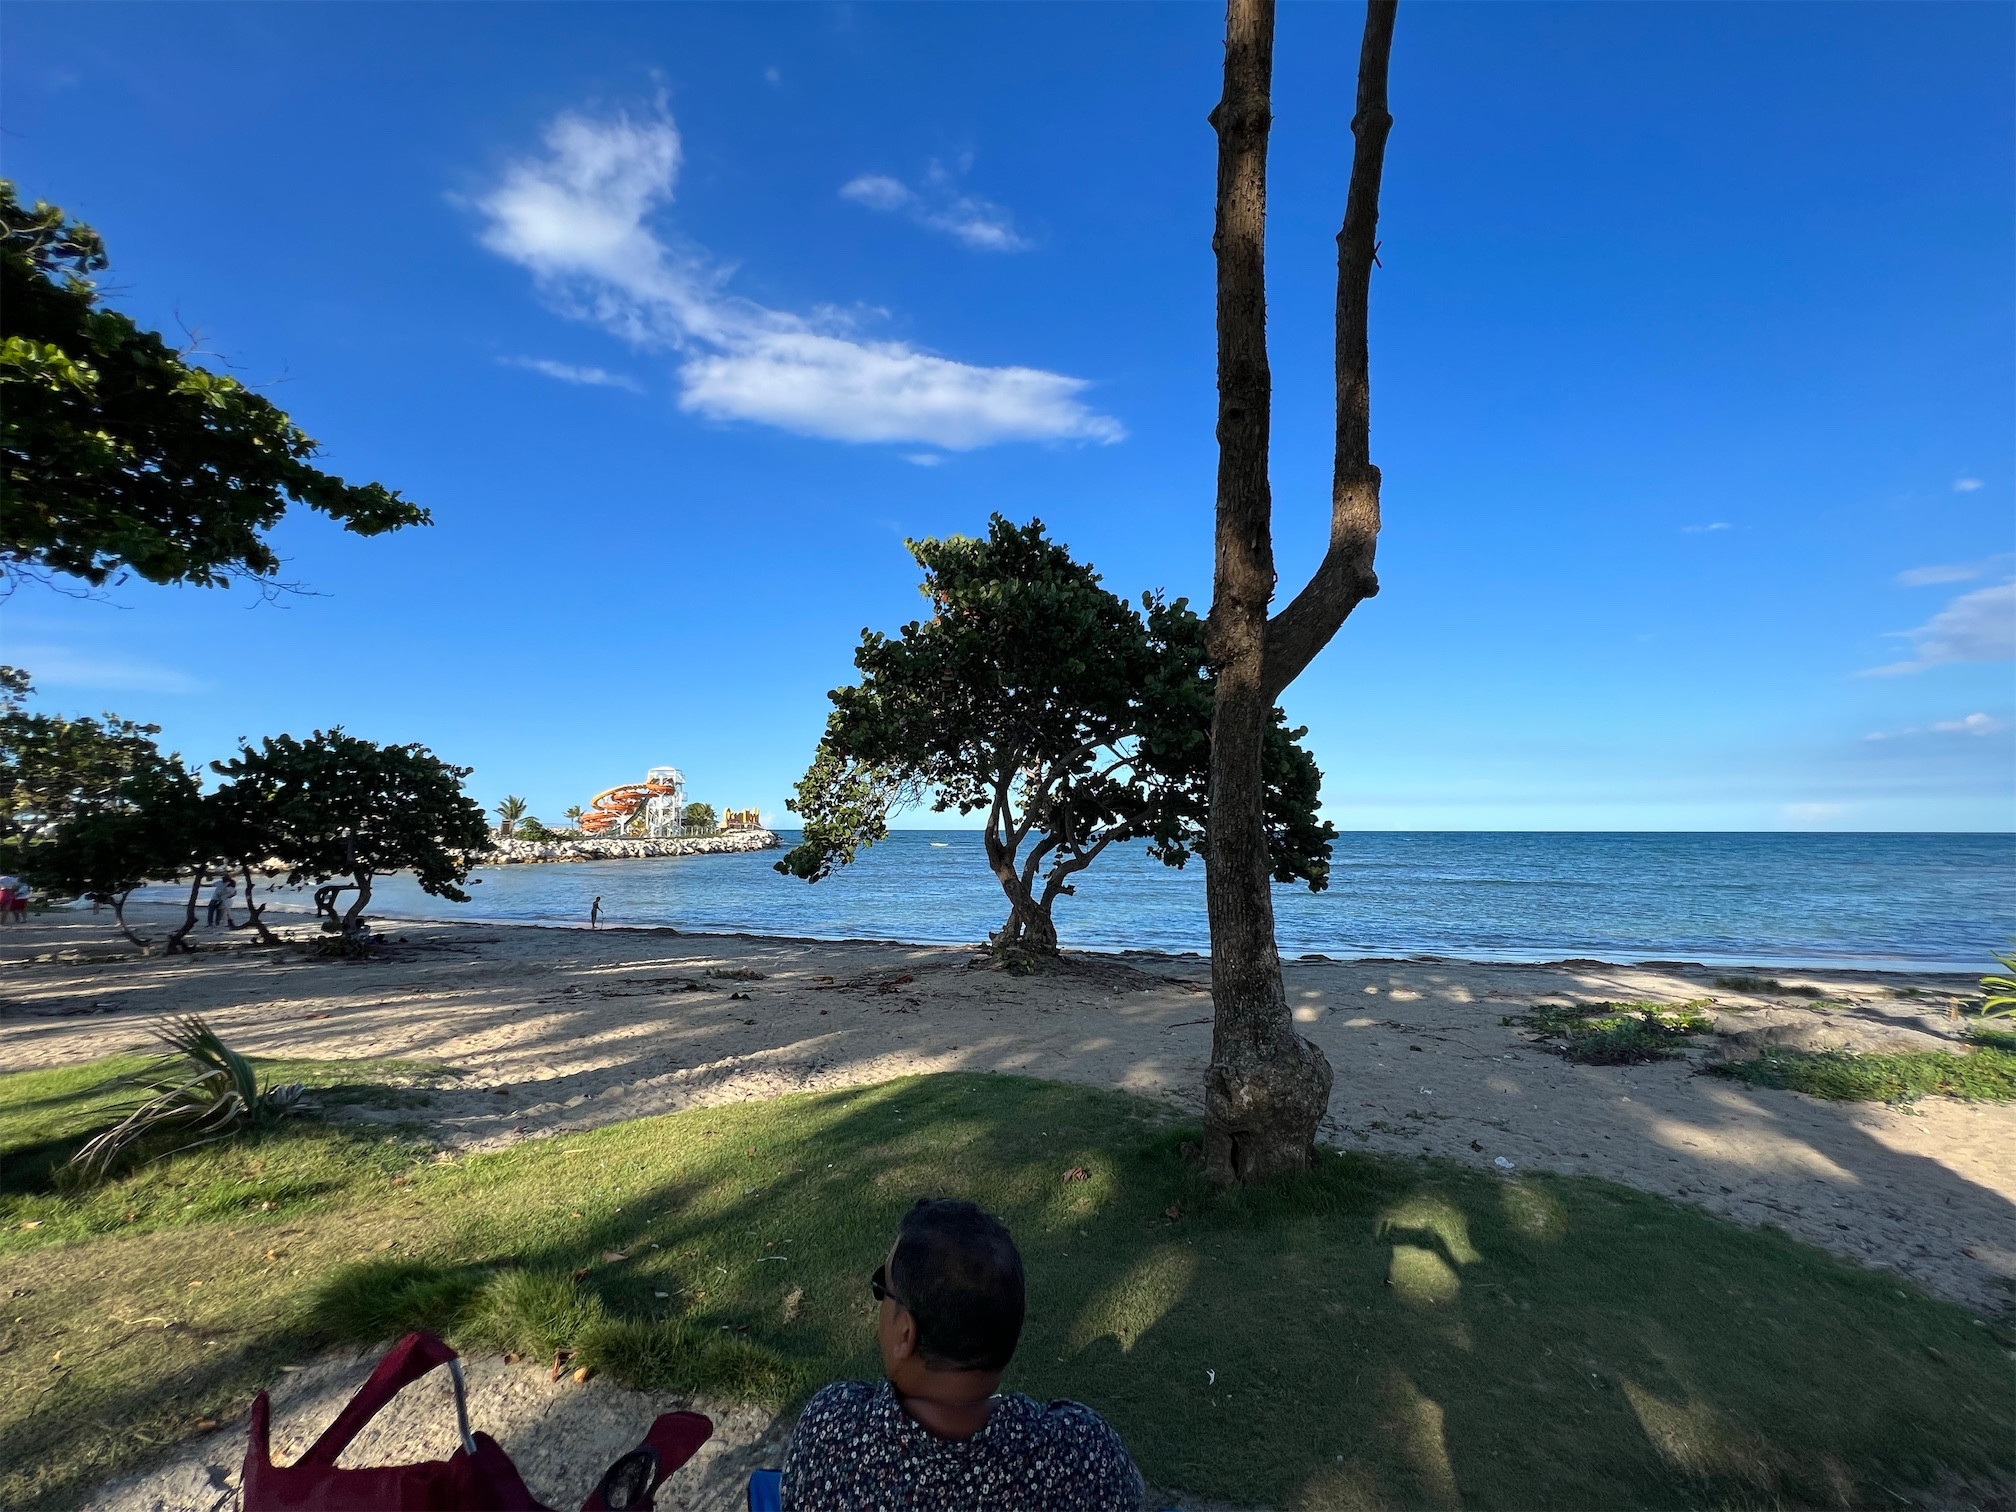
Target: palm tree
column 511, row 810
column 574, row 813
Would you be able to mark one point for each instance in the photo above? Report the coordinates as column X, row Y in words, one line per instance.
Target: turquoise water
column 1929, row 902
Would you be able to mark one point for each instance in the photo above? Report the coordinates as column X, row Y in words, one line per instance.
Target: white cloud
column 1945, row 572
column 1966, row 485
column 940, row 205
column 576, row 218
column 878, row 192
column 567, row 372
column 1704, row 529
column 64, row 667
column 1972, row 724
column 1976, row 627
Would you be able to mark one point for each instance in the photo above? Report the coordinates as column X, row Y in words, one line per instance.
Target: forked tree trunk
column 1267, row 1088
column 173, row 944
column 255, row 913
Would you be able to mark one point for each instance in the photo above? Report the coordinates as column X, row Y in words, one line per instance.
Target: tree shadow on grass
column 1380, row 1332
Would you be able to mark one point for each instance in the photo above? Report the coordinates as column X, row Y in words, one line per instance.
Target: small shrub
column 1984, row 1075
column 734, row 973
column 1758, row 985
column 1615, row 1034
column 1993, row 1038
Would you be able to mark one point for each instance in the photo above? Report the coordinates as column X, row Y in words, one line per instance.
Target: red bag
column 478, row 1477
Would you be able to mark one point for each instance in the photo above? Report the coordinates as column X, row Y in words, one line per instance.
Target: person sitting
column 933, row 1433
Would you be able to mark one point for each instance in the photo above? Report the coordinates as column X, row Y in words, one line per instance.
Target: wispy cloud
column 1813, row 813
column 577, row 216
column 1966, row 485
column 924, row 459
column 1976, row 627
column 1970, row 724
column 1943, row 572
column 939, row 204
column 567, row 372
column 1704, row 529
column 66, row 667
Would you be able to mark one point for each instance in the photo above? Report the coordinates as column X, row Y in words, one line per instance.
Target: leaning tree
column 117, row 454
column 1072, row 720
column 1267, row 1088
column 336, row 807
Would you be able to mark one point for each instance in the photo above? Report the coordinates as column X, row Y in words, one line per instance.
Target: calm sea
column 1925, row 902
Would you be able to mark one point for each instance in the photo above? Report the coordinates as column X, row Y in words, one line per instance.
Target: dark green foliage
column 699, row 816
column 1987, row 1074
column 1759, row 984
column 92, row 808
column 336, row 806
column 1614, row 1034
column 1071, row 719
column 1992, row 1036
column 119, row 455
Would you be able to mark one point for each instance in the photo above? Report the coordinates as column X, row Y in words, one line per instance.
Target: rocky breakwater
column 600, row 848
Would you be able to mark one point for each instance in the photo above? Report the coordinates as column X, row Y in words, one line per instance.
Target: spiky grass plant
column 1998, row 998
column 222, row 1097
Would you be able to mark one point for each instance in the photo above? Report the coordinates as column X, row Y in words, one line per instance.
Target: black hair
column 958, row 1272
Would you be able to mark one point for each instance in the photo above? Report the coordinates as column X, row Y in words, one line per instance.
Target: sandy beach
column 549, row 1030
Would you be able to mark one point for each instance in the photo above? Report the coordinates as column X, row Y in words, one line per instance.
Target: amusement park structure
column 658, row 802
column 654, row 809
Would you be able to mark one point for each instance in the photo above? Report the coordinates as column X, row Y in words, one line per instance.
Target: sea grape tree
column 336, row 807
column 1066, row 716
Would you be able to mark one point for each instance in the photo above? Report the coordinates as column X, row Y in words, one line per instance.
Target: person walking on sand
column 595, row 913
column 220, row 900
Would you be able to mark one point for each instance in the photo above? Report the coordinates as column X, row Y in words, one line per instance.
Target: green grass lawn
column 1384, row 1332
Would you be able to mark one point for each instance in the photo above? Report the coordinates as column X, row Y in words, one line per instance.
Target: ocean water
column 1924, row 902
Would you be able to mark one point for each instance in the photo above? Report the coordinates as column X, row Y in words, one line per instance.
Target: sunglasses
column 878, row 1285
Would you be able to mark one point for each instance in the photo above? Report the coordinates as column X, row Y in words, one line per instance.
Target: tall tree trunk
column 1267, row 1088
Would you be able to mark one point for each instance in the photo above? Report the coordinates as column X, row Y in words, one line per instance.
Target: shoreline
column 280, row 912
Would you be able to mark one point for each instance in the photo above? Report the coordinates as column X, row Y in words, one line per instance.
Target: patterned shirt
column 855, row 1449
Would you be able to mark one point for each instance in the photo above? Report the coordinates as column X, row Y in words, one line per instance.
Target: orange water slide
column 612, row 808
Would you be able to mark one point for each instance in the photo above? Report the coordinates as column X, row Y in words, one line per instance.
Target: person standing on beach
column 595, row 913
column 220, row 900
column 10, row 889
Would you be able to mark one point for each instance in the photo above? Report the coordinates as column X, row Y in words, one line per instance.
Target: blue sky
column 1692, row 360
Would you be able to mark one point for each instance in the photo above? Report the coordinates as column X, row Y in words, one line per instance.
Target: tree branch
column 1345, row 578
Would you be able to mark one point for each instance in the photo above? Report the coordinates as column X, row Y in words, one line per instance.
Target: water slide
column 614, row 808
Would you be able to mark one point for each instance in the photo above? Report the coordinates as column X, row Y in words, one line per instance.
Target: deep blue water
column 1931, row 902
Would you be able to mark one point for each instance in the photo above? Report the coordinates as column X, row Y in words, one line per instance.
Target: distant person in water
column 934, row 1433
column 595, row 913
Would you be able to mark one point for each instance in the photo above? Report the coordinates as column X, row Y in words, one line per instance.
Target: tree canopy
column 120, row 455
column 1036, row 696
column 336, row 806
column 53, row 769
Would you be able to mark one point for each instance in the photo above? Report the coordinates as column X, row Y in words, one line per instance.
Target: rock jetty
column 601, row 848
